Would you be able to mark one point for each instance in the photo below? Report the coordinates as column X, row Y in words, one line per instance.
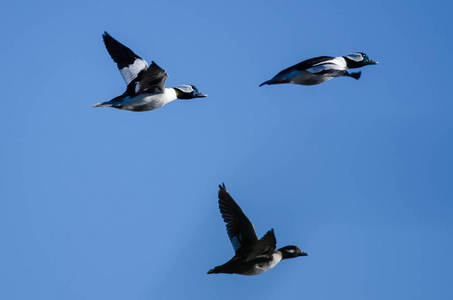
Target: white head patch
column 355, row 57
column 185, row 88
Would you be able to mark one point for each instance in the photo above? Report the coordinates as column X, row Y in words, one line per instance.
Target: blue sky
column 108, row 204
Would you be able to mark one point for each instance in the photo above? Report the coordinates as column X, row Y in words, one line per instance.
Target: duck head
column 187, row 91
column 358, row 59
column 291, row 251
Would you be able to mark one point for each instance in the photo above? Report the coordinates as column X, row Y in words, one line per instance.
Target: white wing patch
column 130, row 72
column 338, row 63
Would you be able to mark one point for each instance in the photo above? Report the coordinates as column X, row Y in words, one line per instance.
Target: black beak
column 200, row 95
column 372, row 62
column 303, row 254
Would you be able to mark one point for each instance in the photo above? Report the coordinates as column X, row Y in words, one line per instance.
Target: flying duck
column 145, row 84
column 320, row 69
column 252, row 256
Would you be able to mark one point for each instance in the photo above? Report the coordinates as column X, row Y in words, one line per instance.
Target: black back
column 306, row 64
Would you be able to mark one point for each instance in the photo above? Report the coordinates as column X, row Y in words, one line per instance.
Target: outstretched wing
column 240, row 229
column 129, row 63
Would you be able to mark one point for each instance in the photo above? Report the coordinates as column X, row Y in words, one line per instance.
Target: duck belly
column 307, row 78
column 142, row 102
column 261, row 267
column 145, row 101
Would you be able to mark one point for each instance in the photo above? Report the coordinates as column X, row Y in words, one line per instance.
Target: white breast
column 263, row 267
column 276, row 258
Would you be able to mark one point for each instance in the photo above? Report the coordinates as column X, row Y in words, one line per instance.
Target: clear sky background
column 98, row 203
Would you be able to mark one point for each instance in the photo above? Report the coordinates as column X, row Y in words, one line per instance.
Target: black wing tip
column 223, row 193
column 153, row 63
column 107, row 38
column 272, row 234
column 270, row 231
